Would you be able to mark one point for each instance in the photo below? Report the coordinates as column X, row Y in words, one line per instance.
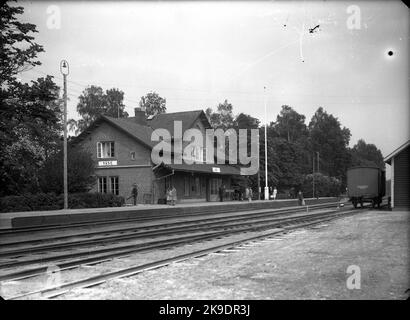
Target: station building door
column 214, row 185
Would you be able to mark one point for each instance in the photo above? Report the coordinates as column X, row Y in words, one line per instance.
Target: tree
column 364, row 154
column 223, row 117
column 36, row 131
column 94, row 102
column 290, row 125
column 324, row 186
column 331, row 141
column 18, row 52
column 80, row 172
column 153, row 104
column 18, row 49
column 287, row 164
column 115, row 106
column 245, row 121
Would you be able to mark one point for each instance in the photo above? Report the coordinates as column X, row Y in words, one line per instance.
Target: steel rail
column 227, row 222
column 130, row 271
column 130, row 249
column 185, row 222
column 144, row 217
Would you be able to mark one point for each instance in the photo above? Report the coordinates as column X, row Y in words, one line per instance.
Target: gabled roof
column 188, row 118
column 397, row 151
column 137, row 131
column 143, row 133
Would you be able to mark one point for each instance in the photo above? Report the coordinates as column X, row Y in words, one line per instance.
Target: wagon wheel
column 354, row 204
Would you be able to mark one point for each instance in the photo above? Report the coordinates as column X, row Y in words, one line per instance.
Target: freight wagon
column 366, row 184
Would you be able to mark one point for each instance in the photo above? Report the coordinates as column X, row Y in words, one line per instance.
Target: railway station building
column 400, row 180
column 121, row 149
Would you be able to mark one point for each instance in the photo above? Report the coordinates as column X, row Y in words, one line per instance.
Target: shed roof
column 388, row 158
column 224, row 169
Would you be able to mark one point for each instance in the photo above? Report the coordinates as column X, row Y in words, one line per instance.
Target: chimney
column 140, row 116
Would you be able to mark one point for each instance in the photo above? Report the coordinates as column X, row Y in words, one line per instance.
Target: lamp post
column 266, row 150
column 64, row 71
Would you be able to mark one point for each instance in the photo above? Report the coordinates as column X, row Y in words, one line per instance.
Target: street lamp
column 266, row 150
column 65, row 71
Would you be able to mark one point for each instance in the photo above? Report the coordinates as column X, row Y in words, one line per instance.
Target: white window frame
column 104, row 152
column 101, row 185
column 115, row 187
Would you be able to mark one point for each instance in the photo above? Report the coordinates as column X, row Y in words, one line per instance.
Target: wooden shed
column 400, row 180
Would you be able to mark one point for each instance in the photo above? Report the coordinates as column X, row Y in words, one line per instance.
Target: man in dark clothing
column 134, row 193
column 300, row 198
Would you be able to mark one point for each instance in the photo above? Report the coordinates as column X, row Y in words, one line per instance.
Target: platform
column 11, row 220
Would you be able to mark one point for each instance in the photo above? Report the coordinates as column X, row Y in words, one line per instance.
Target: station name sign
column 216, row 169
column 107, row 163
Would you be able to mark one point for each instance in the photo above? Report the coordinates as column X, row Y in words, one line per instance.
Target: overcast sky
column 197, row 54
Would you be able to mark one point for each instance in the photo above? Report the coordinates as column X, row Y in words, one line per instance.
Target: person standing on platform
column 221, row 193
column 134, row 193
column 173, row 196
column 275, row 192
column 300, row 198
column 250, row 195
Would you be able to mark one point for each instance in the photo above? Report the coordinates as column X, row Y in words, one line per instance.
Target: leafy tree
column 94, row 102
column 36, row 129
column 18, row 119
column 223, row 117
column 331, row 141
column 80, row 172
column 286, row 161
column 18, row 50
column 364, row 154
column 245, row 121
column 153, row 104
column 325, row 186
column 290, row 125
column 115, row 106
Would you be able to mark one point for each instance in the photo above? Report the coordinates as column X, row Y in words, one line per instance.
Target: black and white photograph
column 204, row 155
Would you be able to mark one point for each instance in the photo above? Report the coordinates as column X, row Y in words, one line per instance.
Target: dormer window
column 105, row 149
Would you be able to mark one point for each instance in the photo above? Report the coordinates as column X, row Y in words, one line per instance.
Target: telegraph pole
column 64, row 70
column 266, row 150
column 313, row 175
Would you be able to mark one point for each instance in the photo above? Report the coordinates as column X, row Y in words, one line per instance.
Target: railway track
column 141, row 218
column 139, row 232
column 72, row 260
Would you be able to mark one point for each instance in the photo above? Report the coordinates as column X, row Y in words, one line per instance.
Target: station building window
column 102, row 184
column 105, row 149
column 114, row 185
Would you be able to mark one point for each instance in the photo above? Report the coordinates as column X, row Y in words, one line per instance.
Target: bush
column 325, row 186
column 51, row 201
